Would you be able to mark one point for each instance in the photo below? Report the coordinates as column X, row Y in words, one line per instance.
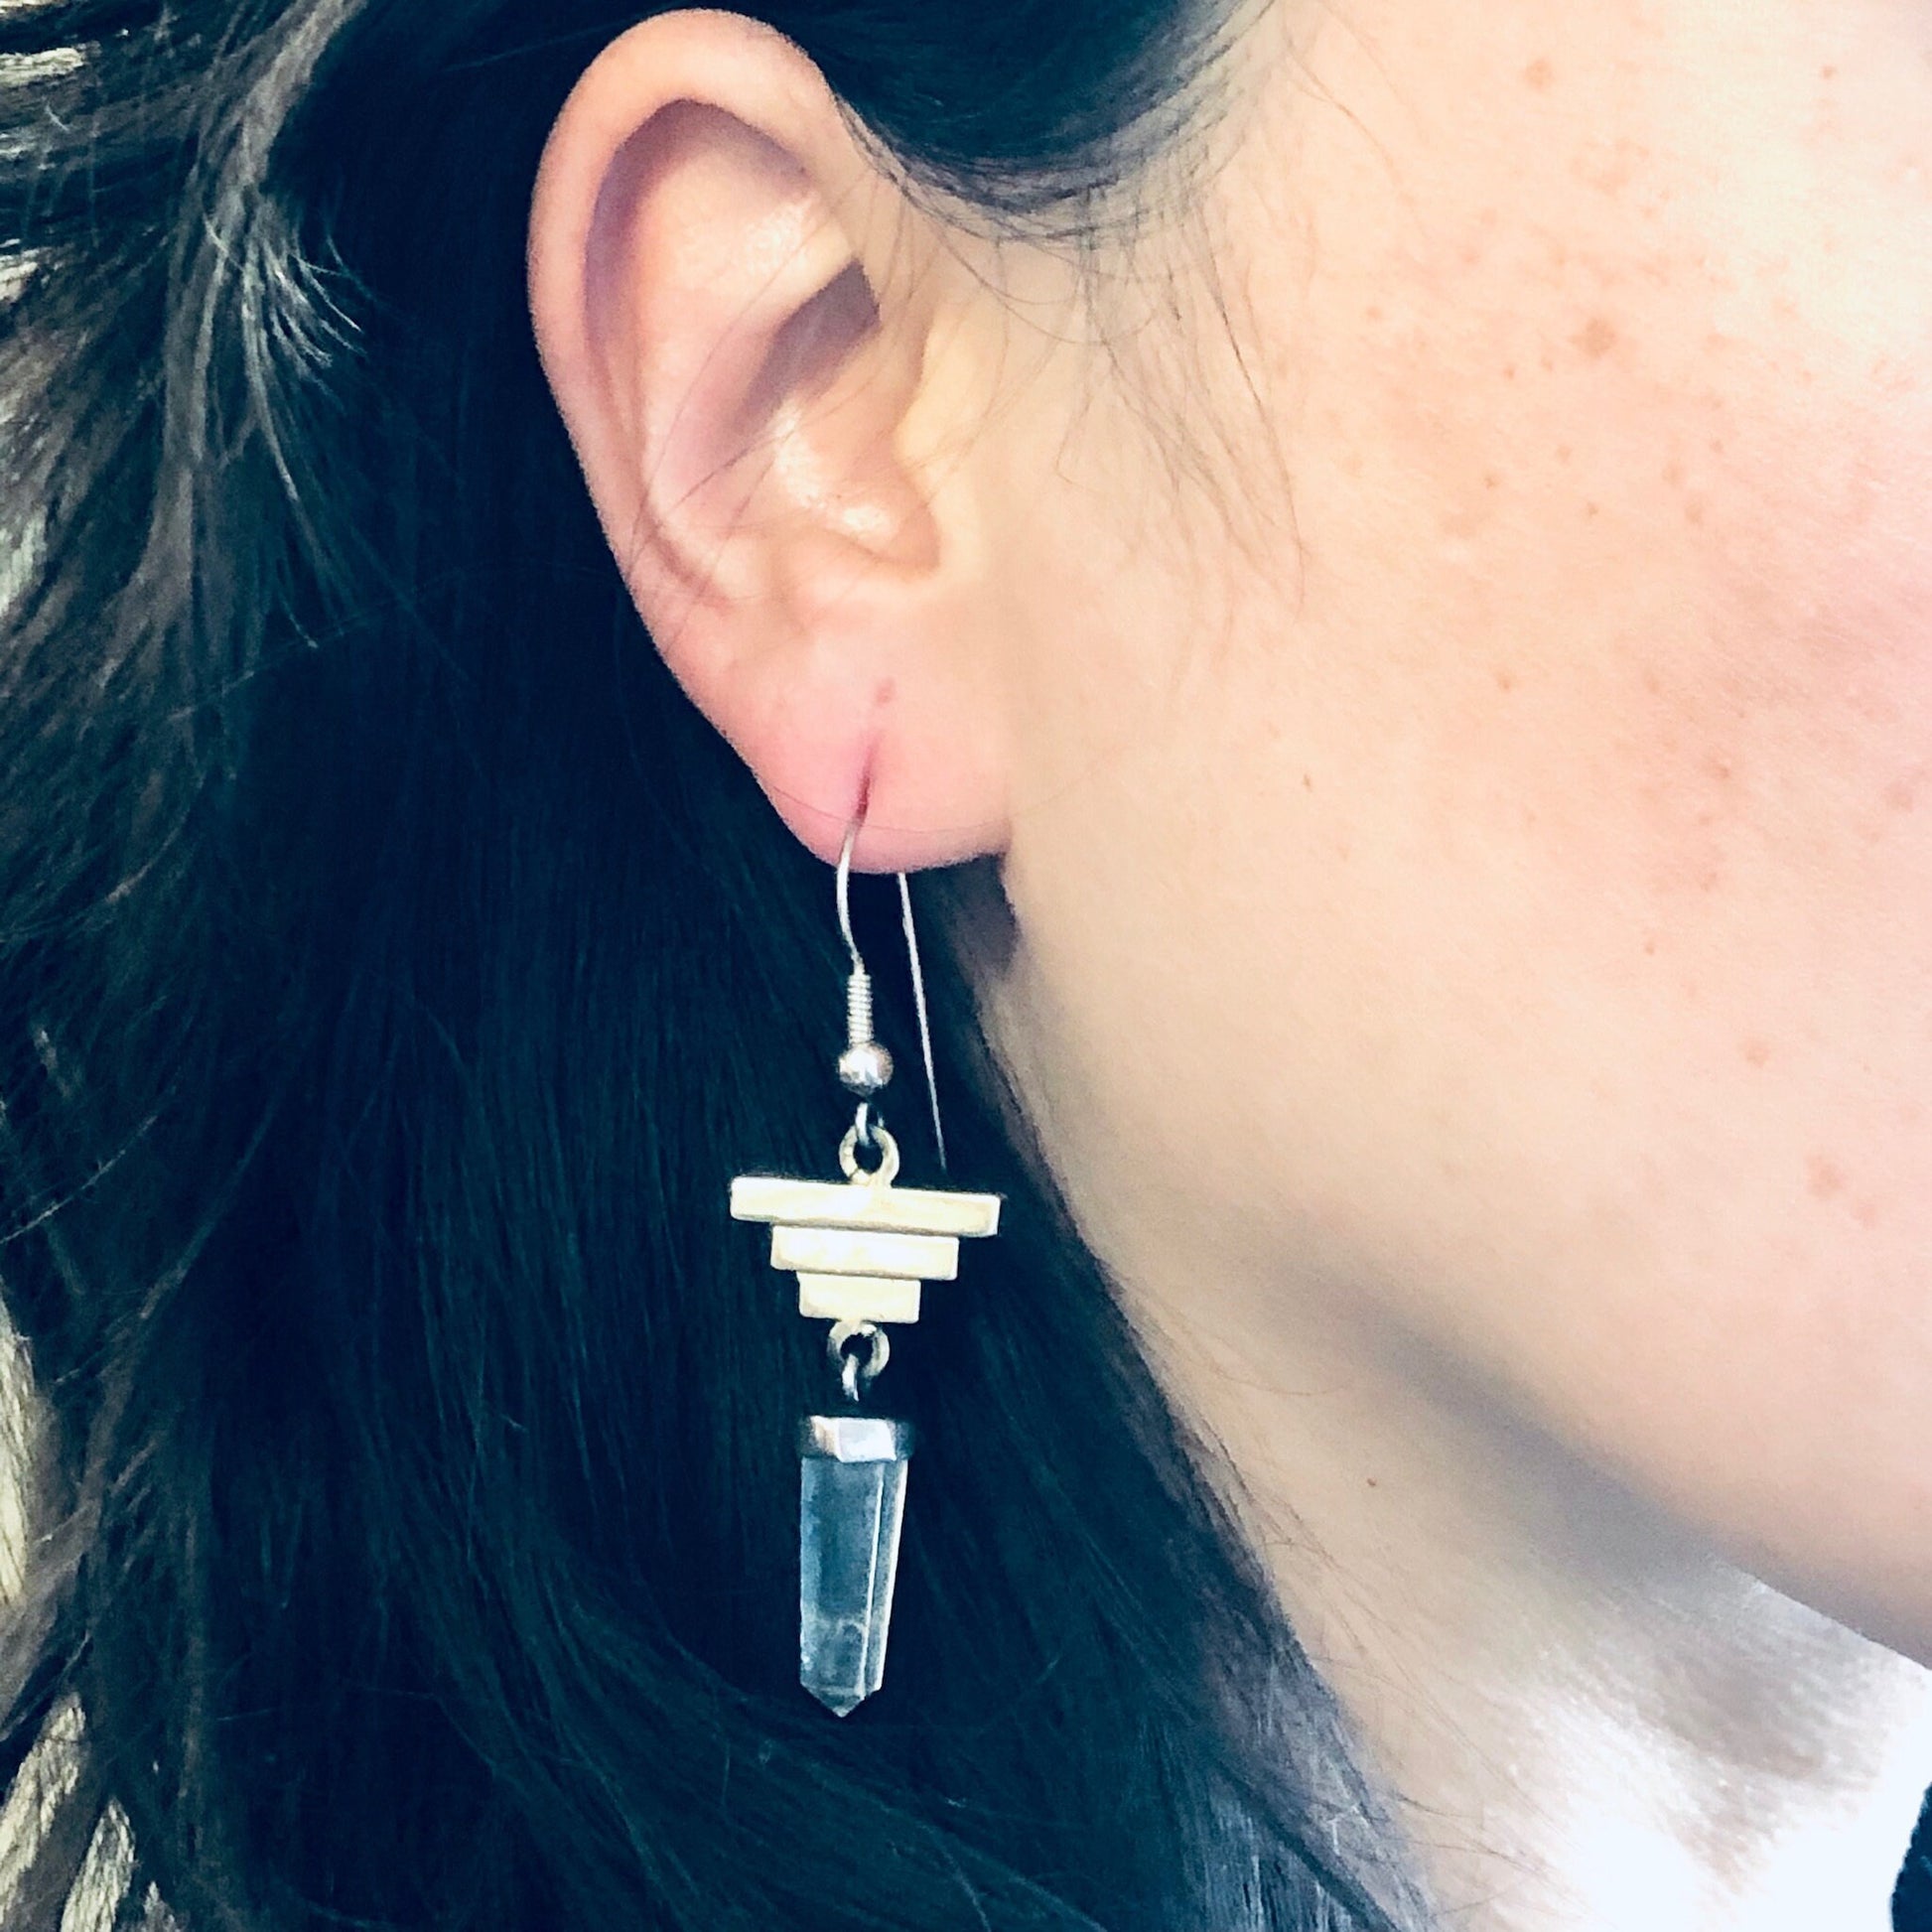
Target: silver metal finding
column 886, row 1171
column 857, row 1374
column 925, row 1030
column 866, row 1066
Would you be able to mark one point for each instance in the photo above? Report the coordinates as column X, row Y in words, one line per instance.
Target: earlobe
column 736, row 391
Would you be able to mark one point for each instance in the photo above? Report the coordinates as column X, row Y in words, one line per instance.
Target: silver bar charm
column 850, row 1503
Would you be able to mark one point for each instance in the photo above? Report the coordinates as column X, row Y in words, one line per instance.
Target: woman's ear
column 745, row 328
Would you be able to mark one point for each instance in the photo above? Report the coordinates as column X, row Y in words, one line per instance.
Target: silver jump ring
column 857, row 1374
column 886, row 1171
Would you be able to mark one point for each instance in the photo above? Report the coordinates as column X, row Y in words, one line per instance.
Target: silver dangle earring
column 861, row 1251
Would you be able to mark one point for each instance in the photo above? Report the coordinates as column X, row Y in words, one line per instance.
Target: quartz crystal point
column 851, row 1501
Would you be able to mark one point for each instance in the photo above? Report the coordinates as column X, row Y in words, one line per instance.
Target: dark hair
column 394, row 968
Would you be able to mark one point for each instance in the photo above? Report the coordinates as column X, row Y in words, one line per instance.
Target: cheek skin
column 1556, row 831
column 1677, row 700
column 1674, row 926
column 1697, row 589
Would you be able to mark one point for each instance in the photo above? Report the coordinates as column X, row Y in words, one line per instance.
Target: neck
column 1586, row 1717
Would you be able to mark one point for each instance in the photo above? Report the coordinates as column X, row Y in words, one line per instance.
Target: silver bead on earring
column 865, row 1068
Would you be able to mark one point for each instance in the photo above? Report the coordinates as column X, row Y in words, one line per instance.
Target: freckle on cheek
column 1755, row 1052
column 1824, row 1177
column 1597, row 338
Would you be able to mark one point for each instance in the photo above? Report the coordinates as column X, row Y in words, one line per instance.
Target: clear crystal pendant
column 850, row 1503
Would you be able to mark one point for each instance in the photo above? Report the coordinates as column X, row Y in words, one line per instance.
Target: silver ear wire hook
column 845, row 899
column 865, row 1068
column 925, row 1030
